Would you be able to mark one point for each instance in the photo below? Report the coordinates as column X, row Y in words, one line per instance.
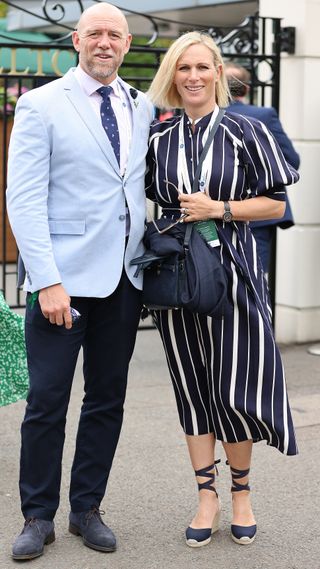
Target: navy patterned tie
column 109, row 121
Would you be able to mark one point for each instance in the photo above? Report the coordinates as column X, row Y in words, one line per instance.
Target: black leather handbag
column 164, row 282
column 180, row 269
column 164, row 264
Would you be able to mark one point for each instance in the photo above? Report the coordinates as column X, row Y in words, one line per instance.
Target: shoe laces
column 95, row 512
column 30, row 521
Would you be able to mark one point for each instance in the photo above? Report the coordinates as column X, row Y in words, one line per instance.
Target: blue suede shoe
column 95, row 534
column 31, row 541
column 199, row 537
column 243, row 535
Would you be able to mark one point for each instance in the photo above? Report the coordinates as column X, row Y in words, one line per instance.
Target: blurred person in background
column 239, row 80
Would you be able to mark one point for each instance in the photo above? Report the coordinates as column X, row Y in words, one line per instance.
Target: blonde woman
column 227, row 373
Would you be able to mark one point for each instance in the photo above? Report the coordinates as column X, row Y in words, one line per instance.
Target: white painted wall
column 298, row 254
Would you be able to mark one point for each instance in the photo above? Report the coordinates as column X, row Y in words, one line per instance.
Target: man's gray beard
column 99, row 74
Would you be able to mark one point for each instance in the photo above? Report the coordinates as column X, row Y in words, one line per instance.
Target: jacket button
column 122, row 217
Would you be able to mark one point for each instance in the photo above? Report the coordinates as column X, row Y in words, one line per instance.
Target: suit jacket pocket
column 67, row 226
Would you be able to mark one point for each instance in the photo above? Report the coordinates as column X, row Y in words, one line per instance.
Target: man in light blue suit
column 239, row 81
column 76, row 205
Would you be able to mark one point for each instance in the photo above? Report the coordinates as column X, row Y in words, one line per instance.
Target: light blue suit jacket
column 66, row 198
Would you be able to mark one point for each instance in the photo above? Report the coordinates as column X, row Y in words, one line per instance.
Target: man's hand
column 55, row 305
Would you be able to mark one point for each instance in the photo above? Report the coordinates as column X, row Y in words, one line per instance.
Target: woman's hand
column 198, row 206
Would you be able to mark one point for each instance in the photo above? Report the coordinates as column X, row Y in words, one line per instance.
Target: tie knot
column 105, row 91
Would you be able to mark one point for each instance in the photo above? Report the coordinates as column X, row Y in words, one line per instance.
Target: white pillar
column 298, row 251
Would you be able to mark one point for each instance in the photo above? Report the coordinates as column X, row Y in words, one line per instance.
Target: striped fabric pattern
column 227, row 373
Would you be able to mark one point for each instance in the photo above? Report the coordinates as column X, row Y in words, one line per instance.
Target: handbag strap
column 204, row 153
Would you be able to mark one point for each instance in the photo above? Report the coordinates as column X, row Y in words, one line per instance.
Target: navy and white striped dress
column 227, row 373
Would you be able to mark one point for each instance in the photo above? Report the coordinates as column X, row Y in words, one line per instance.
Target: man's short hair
column 238, row 78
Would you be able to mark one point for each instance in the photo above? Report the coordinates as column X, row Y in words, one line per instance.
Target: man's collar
column 90, row 85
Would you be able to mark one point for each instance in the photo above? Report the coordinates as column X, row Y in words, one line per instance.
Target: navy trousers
column 263, row 236
column 106, row 331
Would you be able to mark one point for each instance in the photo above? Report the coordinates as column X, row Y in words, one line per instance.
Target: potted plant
column 9, row 97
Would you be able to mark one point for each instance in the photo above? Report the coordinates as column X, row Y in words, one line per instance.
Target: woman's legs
column 201, row 450
column 239, row 458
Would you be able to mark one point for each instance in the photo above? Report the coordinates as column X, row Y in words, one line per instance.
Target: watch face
column 227, row 216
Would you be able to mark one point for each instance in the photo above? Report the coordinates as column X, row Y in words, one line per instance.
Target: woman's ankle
column 242, row 509
column 208, row 507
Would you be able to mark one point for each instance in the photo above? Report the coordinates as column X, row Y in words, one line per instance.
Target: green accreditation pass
column 207, row 229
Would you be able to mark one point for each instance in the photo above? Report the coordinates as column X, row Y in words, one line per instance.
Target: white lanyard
column 183, row 173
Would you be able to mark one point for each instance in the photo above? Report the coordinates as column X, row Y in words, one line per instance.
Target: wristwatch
column 227, row 216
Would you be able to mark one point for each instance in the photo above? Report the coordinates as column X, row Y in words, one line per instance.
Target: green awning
column 33, row 60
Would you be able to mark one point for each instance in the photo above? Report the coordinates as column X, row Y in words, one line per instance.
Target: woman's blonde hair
column 163, row 92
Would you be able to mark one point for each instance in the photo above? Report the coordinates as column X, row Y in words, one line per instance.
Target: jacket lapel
column 79, row 101
column 136, row 133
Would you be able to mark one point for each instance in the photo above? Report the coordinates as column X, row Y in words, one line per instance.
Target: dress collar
column 203, row 122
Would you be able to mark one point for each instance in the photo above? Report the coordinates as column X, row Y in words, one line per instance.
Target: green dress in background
column 14, row 381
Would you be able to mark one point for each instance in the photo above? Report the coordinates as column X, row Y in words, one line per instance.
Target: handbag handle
column 204, row 153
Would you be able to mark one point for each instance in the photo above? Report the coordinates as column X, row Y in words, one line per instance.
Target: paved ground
column 152, row 492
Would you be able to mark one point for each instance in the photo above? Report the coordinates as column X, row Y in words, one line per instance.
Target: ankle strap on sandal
column 209, row 484
column 235, row 475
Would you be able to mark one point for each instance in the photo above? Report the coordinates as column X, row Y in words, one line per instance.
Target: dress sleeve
column 267, row 170
column 151, row 168
column 149, row 176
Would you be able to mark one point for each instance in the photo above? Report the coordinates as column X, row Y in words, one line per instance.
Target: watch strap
column 227, row 215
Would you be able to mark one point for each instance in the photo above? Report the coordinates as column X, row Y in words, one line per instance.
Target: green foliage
column 142, row 65
column 9, row 97
column 3, row 10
